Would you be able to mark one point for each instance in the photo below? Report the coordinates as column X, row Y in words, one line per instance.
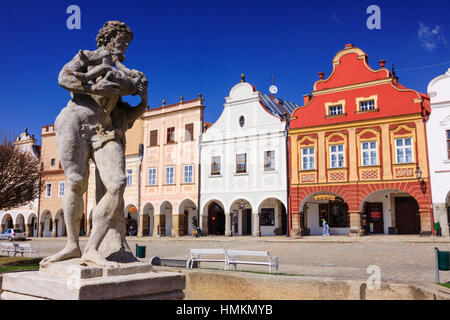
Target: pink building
column 170, row 168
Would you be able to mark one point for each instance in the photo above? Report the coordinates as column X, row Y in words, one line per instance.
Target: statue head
column 115, row 36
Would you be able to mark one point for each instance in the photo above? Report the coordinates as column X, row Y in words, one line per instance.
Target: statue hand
column 142, row 91
column 106, row 88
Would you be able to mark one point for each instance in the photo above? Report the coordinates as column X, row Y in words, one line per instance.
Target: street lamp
column 423, row 185
column 418, row 173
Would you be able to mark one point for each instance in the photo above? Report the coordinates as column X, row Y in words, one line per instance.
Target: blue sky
column 191, row 47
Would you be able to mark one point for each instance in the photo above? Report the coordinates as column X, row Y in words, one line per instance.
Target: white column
column 228, row 224
column 256, row 232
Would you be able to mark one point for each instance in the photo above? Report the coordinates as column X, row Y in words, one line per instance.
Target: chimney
column 382, row 63
column 306, row 99
column 321, row 74
column 348, row 46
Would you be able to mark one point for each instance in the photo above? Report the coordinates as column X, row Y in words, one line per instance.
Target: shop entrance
column 373, row 218
column 407, row 215
column 216, row 220
column 247, row 222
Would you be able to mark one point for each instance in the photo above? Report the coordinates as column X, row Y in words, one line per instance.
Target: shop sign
column 319, row 197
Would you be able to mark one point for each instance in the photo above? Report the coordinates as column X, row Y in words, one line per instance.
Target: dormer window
column 335, row 110
column 241, row 121
column 367, row 105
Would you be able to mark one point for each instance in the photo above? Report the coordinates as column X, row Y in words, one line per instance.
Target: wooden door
column 407, row 216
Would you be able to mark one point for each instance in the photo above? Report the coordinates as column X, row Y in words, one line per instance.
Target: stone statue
column 92, row 126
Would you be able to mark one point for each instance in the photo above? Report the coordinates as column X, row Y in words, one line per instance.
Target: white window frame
column 310, row 156
column 129, row 175
column 63, row 184
column 369, row 151
column 337, row 153
column 404, row 147
column 192, row 173
column 149, row 181
column 219, row 165
column 173, row 174
column 272, row 160
column 339, row 109
column 368, row 108
column 47, row 189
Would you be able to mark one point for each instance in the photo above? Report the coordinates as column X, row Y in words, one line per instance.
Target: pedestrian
column 325, row 228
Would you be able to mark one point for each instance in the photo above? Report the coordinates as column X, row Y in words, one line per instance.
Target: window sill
column 151, row 185
column 170, row 143
column 156, row 145
column 187, row 183
column 404, row 164
column 240, row 173
column 337, row 168
column 364, row 111
column 215, row 175
column 308, row 170
column 369, row 166
column 168, row 184
column 335, row 115
column 269, row 171
column 446, row 161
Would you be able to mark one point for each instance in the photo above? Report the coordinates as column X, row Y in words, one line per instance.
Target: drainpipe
column 200, row 165
column 39, row 207
column 288, row 198
column 141, row 155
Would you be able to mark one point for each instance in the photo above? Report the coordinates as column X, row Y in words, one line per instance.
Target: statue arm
column 135, row 112
column 69, row 82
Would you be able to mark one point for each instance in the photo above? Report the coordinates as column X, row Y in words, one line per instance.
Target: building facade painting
column 243, row 166
column 358, row 153
column 438, row 132
column 23, row 217
column 170, row 168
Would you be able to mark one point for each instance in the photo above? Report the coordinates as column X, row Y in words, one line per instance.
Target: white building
column 243, row 166
column 438, row 136
column 23, row 217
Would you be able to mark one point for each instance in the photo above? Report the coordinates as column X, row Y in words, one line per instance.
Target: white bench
column 7, row 247
column 232, row 258
column 198, row 255
column 27, row 248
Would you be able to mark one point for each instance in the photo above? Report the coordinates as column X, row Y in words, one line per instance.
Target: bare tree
column 19, row 175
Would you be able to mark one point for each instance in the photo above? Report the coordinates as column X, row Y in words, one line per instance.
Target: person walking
column 325, row 228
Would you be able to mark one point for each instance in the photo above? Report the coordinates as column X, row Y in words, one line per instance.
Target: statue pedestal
column 68, row 280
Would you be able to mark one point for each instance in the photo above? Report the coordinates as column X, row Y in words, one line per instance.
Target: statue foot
column 69, row 252
column 95, row 257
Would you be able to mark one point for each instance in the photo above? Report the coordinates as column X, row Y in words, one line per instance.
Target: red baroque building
column 358, row 153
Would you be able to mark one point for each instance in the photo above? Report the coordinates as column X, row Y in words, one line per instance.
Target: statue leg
column 110, row 162
column 76, row 169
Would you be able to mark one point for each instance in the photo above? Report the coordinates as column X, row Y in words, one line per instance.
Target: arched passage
column 32, row 225
column 148, row 212
column 46, row 224
column 187, row 210
column 131, row 220
column 243, row 218
column 273, row 217
column 216, row 218
column 60, row 225
column 20, row 222
column 165, row 210
column 325, row 205
column 390, row 211
column 7, row 222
